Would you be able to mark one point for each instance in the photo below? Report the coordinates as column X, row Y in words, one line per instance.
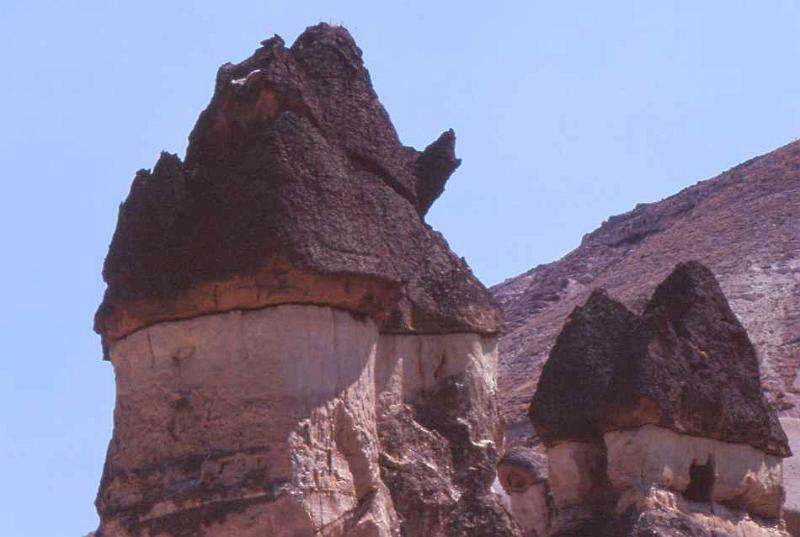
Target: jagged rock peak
column 296, row 351
column 295, row 189
column 690, row 366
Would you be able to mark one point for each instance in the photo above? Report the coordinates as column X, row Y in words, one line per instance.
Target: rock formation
column 744, row 225
column 656, row 424
column 791, row 476
column 296, row 352
column 523, row 474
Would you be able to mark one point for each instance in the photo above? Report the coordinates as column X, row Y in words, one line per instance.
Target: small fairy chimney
column 656, row 422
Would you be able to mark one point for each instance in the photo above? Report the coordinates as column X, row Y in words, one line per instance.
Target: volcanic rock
column 295, row 190
column 575, row 379
column 523, row 473
column 686, row 364
column 653, row 423
column 744, row 225
column 297, row 353
column 689, row 366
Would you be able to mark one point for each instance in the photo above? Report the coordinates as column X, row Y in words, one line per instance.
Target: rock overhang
column 295, row 189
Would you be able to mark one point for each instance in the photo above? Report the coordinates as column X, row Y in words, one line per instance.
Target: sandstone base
column 665, row 513
column 651, row 481
column 269, row 422
column 736, row 474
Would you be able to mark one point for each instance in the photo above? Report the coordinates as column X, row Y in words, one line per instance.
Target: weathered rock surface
column 579, row 483
column 523, row 473
column 653, row 422
column 574, row 381
column 650, row 456
column 689, row 366
column 791, row 476
column 270, row 413
column 663, row 513
column 438, row 428
column 295, row 189
column 300, row 420
column 686, row 364
column 744, row 225
column 296, row 352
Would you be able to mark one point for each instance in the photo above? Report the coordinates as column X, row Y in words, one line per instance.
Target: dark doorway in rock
column 701, row 481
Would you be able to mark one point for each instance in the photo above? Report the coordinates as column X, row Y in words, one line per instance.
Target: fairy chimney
column 296, row 351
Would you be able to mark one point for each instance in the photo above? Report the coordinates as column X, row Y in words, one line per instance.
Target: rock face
column 652, row 423
column 575, row 379
column 296, row 352
column 689, row 366
column 744, row 225
column 523, row 473
column 791, row 476
column 295, row 190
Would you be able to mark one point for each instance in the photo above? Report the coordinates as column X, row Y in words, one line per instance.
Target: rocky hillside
column 744, row 224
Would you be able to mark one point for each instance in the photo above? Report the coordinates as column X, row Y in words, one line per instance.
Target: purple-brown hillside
column 295, row 189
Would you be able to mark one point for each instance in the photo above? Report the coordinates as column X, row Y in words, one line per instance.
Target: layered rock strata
column 296, row 352
column 656, row 422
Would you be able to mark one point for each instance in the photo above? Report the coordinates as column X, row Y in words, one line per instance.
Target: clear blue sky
column 566, row 112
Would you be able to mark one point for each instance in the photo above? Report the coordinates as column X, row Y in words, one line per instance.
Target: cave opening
column 701, row 481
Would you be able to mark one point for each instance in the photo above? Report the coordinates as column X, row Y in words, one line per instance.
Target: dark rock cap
column 686, row 364
column 691, row 367
column 575, row 378
column 295, row 189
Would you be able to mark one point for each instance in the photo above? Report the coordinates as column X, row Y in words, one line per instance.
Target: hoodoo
column 655, row 424
column 297, row 353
